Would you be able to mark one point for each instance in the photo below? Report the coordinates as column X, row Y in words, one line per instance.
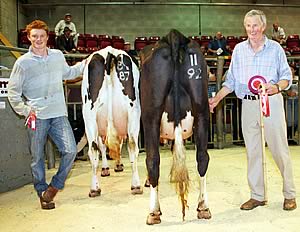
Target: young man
column 35, row 90
column 260, row 56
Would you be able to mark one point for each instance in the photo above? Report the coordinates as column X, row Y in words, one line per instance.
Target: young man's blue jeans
column 61, row 133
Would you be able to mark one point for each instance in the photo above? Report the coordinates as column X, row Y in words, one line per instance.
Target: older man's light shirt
column 270, row 62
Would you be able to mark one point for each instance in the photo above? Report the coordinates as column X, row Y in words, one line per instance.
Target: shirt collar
column 49, row 52
column 266, row 42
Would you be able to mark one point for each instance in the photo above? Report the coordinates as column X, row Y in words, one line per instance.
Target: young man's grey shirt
column 36, row 83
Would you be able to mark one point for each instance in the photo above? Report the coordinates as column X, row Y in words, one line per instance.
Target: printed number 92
column 194, row 73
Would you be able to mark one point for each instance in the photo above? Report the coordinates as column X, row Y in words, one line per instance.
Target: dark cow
column 174, row 105
column 111, row 110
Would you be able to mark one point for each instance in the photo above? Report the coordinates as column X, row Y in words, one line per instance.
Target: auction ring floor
column 117, row 210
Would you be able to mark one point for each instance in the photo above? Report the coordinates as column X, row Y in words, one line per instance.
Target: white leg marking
column 154, row 202
column 103, row 153
column 203, row 194
column 133, row 152
column 94, row 158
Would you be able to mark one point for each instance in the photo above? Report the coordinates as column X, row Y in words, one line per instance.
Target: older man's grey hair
column 261, row 15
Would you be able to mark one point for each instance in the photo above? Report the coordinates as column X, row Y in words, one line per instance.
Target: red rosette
column 255, row 82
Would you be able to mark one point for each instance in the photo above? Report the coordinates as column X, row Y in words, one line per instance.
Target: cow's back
column 109, row 90
column 178, row 82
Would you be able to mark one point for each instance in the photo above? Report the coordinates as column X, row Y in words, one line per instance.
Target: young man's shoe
column 46, row 205
column 50, row 193
column 47, row 198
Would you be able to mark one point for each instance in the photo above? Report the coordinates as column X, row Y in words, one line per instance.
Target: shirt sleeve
column 72, row 72
column 57, row 28
column 15, row 90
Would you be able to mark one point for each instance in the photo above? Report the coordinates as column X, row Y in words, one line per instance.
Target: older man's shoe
column 251, row 204
column 289, row 204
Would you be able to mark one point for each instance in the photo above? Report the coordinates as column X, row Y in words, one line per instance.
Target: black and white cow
column 111, row 110
column 174, row 105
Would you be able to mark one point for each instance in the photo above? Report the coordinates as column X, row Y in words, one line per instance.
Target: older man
column 260, row 56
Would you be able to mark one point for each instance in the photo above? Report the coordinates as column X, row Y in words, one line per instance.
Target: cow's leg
column 203, row 209
column 134, row 116
column 94, row 158
column 201, row 137
column 119, row 167
column 154, row 215
column 152, row 131
column 105, row 166
column 93, row 152
column 133, row 152
column 147, row 182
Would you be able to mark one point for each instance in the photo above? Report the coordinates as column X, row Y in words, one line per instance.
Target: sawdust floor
column 117, row 210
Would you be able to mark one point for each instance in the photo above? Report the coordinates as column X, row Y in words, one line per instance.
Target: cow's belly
column 167, row 128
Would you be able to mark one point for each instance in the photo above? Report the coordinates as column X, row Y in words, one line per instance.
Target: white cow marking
column 195, row 70
column 123, row 70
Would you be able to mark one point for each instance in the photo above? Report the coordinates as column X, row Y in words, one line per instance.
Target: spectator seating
column 196, row 38
column 153, row 39
column 205, row 39
column 81, row 44
column 292, row 41
column 51, row 40
column 231, row 42
column 117, row 42
column 243, row 38
column 295, row 51
column 23, row 41
column 91, row 42
column 104, row 41
column 140, row 42
column 88, row 43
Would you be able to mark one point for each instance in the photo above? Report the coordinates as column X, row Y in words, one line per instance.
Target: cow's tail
column 112, row 141
column 179, row 172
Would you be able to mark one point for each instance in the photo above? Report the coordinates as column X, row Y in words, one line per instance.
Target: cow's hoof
column 136, row 190
column 147, row 183
column 153, row 219
column 105, row 172
column 119, row 168
column 95, row 193
column 204, row 214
